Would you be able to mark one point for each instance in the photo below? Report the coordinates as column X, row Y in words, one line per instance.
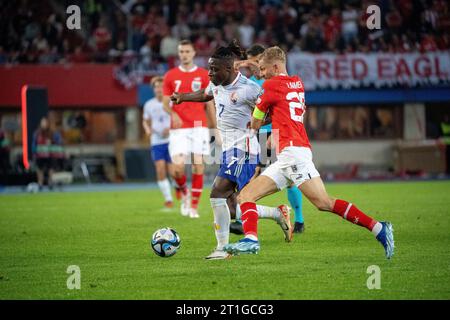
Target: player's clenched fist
column 176, row 98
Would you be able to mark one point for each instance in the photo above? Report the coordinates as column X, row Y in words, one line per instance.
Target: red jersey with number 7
column 284, row 99
column 183, row 81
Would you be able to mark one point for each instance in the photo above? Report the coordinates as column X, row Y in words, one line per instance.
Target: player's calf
column 324, row 203
column 245, row 196
column 181, row 186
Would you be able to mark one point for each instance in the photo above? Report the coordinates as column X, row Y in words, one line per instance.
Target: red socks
column 351, row 213
column 197, row 188
column 346, row 210
column 181, row 184
column 249, row 219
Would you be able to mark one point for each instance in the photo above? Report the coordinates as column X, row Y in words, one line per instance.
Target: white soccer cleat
column 218, row 255
column 244, row 246
column 285, row 222
column 193, row 213
column 185, row 204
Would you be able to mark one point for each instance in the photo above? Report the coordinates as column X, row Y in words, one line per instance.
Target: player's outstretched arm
column 197, row 96
column 245, row 64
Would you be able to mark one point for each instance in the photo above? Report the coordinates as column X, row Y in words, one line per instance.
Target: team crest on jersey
column 196, row 84
column 234, row 97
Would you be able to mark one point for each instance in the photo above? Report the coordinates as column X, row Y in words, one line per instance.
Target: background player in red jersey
column 189, row 130
column 284, row 100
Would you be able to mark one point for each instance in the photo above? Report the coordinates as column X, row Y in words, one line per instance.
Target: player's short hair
column 186, row 42
column 255, row 50
column 274, row 54
column 232, row 51
column 155, row 80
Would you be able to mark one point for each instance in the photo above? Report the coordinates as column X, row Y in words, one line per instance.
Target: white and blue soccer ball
column 33, row 187
column 165, row 242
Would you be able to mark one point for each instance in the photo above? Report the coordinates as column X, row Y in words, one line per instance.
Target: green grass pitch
column 107, row 235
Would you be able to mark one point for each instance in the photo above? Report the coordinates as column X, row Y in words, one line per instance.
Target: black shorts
column 44, row 163
column 57, row 164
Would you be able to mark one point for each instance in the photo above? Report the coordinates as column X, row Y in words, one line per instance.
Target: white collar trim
column 185, row 70
column 234, row 81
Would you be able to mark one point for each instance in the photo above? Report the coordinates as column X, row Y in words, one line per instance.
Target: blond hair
column 186, row 42
column 156, row 80
column 273, row 54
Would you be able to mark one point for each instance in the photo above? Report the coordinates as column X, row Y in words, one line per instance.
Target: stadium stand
column 36, row 33
column 123, row 43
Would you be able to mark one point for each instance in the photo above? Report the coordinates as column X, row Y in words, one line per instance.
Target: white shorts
column 294, row 166
column 189, row 140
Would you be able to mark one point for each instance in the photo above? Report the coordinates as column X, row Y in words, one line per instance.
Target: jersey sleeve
column 168, row 85
column 252, row 94
column 263, row 102
column 146, row 115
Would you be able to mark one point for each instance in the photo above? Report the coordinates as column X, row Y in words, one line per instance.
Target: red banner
column 78, row 85
column 327, row 70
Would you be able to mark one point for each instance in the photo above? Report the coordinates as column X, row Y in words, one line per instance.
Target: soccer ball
column 165, row 242
column 32, row 187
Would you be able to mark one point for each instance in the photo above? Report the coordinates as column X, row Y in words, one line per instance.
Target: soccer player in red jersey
column 189, row 133
column 284, row 100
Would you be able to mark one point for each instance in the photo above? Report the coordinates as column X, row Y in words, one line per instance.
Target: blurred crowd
column 112, row 30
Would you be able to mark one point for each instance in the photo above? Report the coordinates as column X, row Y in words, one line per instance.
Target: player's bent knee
column 198, row 168
column 178, row 173
column 245, row 196
column 162, row 176
column 215, row 194
column 178, row 160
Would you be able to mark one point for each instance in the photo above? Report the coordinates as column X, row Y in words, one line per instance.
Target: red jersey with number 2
column 179, row 80
column 284, row 100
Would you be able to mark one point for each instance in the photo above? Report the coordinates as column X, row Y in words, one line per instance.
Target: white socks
column 263, row 212
column 221, row 221
column 164, row 186
column 377, row 228
column 268, row 212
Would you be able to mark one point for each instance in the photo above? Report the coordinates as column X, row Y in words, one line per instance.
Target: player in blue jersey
column 294, row 194
column 234, row 97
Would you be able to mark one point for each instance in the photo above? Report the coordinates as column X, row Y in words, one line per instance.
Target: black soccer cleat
column 299, row 227
column 236, row 228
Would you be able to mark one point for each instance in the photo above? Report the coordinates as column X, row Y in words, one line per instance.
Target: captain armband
column 258, row 114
